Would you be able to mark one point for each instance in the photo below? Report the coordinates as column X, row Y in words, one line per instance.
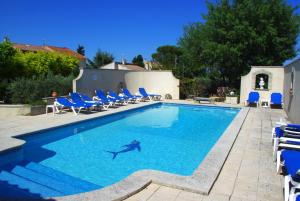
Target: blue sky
column 125, row 28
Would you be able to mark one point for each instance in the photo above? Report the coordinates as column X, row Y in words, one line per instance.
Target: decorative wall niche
column 260, row 75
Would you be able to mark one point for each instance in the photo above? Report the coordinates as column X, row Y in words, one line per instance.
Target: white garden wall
column 276, row 78
column 160, row 82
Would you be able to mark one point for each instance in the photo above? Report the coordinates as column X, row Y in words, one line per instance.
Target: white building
column 122, row 66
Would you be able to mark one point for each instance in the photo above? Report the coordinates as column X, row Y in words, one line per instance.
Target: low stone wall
column 7, row 110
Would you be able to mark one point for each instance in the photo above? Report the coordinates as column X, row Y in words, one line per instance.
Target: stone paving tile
column 165, row 193
column 245, row 190
column 224, row 185
column 187, row 196
column 145, row 194
column 267, row 191
column 216, row 197
column 232, row 198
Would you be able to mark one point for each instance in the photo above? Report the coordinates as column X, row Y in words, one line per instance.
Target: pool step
column 44, row 180
column 73, row 181
column 33, row 180
column 25, row 184
column 8, row 191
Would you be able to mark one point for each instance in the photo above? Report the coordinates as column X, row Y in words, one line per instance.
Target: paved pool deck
column 248, row 174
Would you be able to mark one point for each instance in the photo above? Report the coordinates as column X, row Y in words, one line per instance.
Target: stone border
column 201, row 181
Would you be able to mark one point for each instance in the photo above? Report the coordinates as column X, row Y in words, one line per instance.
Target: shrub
column 199, row 86
column 222, row 91
column 37, row 63
column 15, row 64
column 3, row 92
column 30, row 90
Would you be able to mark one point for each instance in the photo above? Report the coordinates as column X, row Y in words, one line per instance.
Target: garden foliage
column 26, row 77
column 31, row 90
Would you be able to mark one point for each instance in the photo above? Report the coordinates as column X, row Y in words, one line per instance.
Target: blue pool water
column 172, row 138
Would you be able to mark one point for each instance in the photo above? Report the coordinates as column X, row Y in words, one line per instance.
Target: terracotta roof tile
column 25, row 47
column 48, row 48
column 66, row 51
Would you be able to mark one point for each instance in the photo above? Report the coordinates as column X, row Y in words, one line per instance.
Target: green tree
column 101, row 58
column 168, row 57
column 138, row 60
column 9, row 68
column 240, row 33
column 81, row 50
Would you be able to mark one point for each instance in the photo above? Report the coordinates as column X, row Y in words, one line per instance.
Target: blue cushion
column 292, row 127
column 103, row 97
column 143, row 92
column 292, row 142
column 296, row 126
column 291, row 160
column 276, row 98
column 278, row 132
column 253, row 97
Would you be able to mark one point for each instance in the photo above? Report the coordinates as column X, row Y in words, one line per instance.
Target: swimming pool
column 172, row 138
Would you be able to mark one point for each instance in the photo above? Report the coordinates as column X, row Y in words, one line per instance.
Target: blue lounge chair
column 64, row 102
column 286, row 136
column 276, row 99
column 253, row 98
column 100, row 95
column 76, row 98
column 146, row 96
column 117, row 98
column 287, row 130
column 294, row 196
column 86, row 98
column 291, row 164
column 127, row 93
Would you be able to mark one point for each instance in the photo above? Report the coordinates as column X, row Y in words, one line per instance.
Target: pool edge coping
column 201, row 181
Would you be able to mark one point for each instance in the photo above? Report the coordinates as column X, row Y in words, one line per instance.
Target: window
column 262, row 81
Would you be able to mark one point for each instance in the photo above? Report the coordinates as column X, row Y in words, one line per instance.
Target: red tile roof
column 48, row 48
column 65, row 50
column 30, row 48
